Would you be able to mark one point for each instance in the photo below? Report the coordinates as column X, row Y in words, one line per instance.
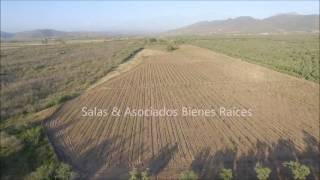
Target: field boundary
column 128, row 63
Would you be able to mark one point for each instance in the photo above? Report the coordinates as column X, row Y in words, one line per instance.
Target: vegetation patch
column 26, row 153
column 58, row 100
column 298, row 171
column 171, row 47
column 188, row 175
column 225, row 174
column 135, row 174
column 36, row 78
column 296, row 55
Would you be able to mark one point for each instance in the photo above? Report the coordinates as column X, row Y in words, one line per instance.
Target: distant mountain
column 54, row 34
column 6, row 35
column 35, row 34
column 40, row 33
column 282, row 23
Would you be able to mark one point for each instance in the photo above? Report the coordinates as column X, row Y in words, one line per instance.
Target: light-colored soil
column 127, row 66
column 284, row 124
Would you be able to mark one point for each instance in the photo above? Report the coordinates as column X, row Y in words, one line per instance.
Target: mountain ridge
column 280, row 23
column 56, row 34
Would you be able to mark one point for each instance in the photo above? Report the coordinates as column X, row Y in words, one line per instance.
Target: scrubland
column 35, row 79
column 44, row 87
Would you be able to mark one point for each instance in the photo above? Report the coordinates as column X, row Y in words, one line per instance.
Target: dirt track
column 284, row 124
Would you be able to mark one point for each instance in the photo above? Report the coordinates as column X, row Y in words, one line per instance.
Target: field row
column 283, row 109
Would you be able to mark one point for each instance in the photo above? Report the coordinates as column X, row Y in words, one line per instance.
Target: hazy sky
column 135, row 15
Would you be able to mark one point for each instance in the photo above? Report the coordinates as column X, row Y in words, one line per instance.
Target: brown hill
column 283, row 23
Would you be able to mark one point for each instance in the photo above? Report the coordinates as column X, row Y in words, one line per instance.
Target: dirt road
column 281, row 120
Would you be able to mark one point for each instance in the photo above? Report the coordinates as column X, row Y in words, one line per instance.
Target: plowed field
column 283, row 125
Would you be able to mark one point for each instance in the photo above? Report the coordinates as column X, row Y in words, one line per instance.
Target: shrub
column 60, row 99
column 45, row 172
column 135, row 174
column 298, row 171
column 52, row 171
column 9, row 144
column 225, row 174
column 171, row 47
column 33, row 135
column 152, row 40
column 262, row 172
column 188, row 175
column 145, row 175
column 63, row 172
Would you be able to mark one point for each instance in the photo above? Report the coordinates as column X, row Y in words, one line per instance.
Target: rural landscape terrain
column 196, row 78
column 236, row 98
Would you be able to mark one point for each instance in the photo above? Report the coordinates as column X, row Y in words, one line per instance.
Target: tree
column 225, row 174
column 298, row 171
column 188, row 175
column 262, row 172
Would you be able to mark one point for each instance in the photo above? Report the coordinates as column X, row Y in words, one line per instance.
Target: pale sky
column 135, row 15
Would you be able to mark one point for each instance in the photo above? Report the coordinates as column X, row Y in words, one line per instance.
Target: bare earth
column 284, row 124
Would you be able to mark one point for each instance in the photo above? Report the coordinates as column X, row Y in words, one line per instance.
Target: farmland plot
column 280, row 123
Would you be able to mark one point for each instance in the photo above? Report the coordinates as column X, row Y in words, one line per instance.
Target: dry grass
column 35, row 78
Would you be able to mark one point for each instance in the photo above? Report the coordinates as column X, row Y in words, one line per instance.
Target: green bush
column 30, row 155
column 262, row 172
column 188, row 175
column 152, row 40
column 298, row 171
column 60, row 99
column 171, row 47
column 33, row 135
column 63, row 172
column 145, row 175
column 225, row 174
column 51, row 171
column 45, row 172
column 135, row 174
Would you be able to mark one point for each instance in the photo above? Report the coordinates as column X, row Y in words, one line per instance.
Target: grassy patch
column 60, row 99
column 297, row 55
column 162, row 44
column 24, row 150
column 35, row 78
